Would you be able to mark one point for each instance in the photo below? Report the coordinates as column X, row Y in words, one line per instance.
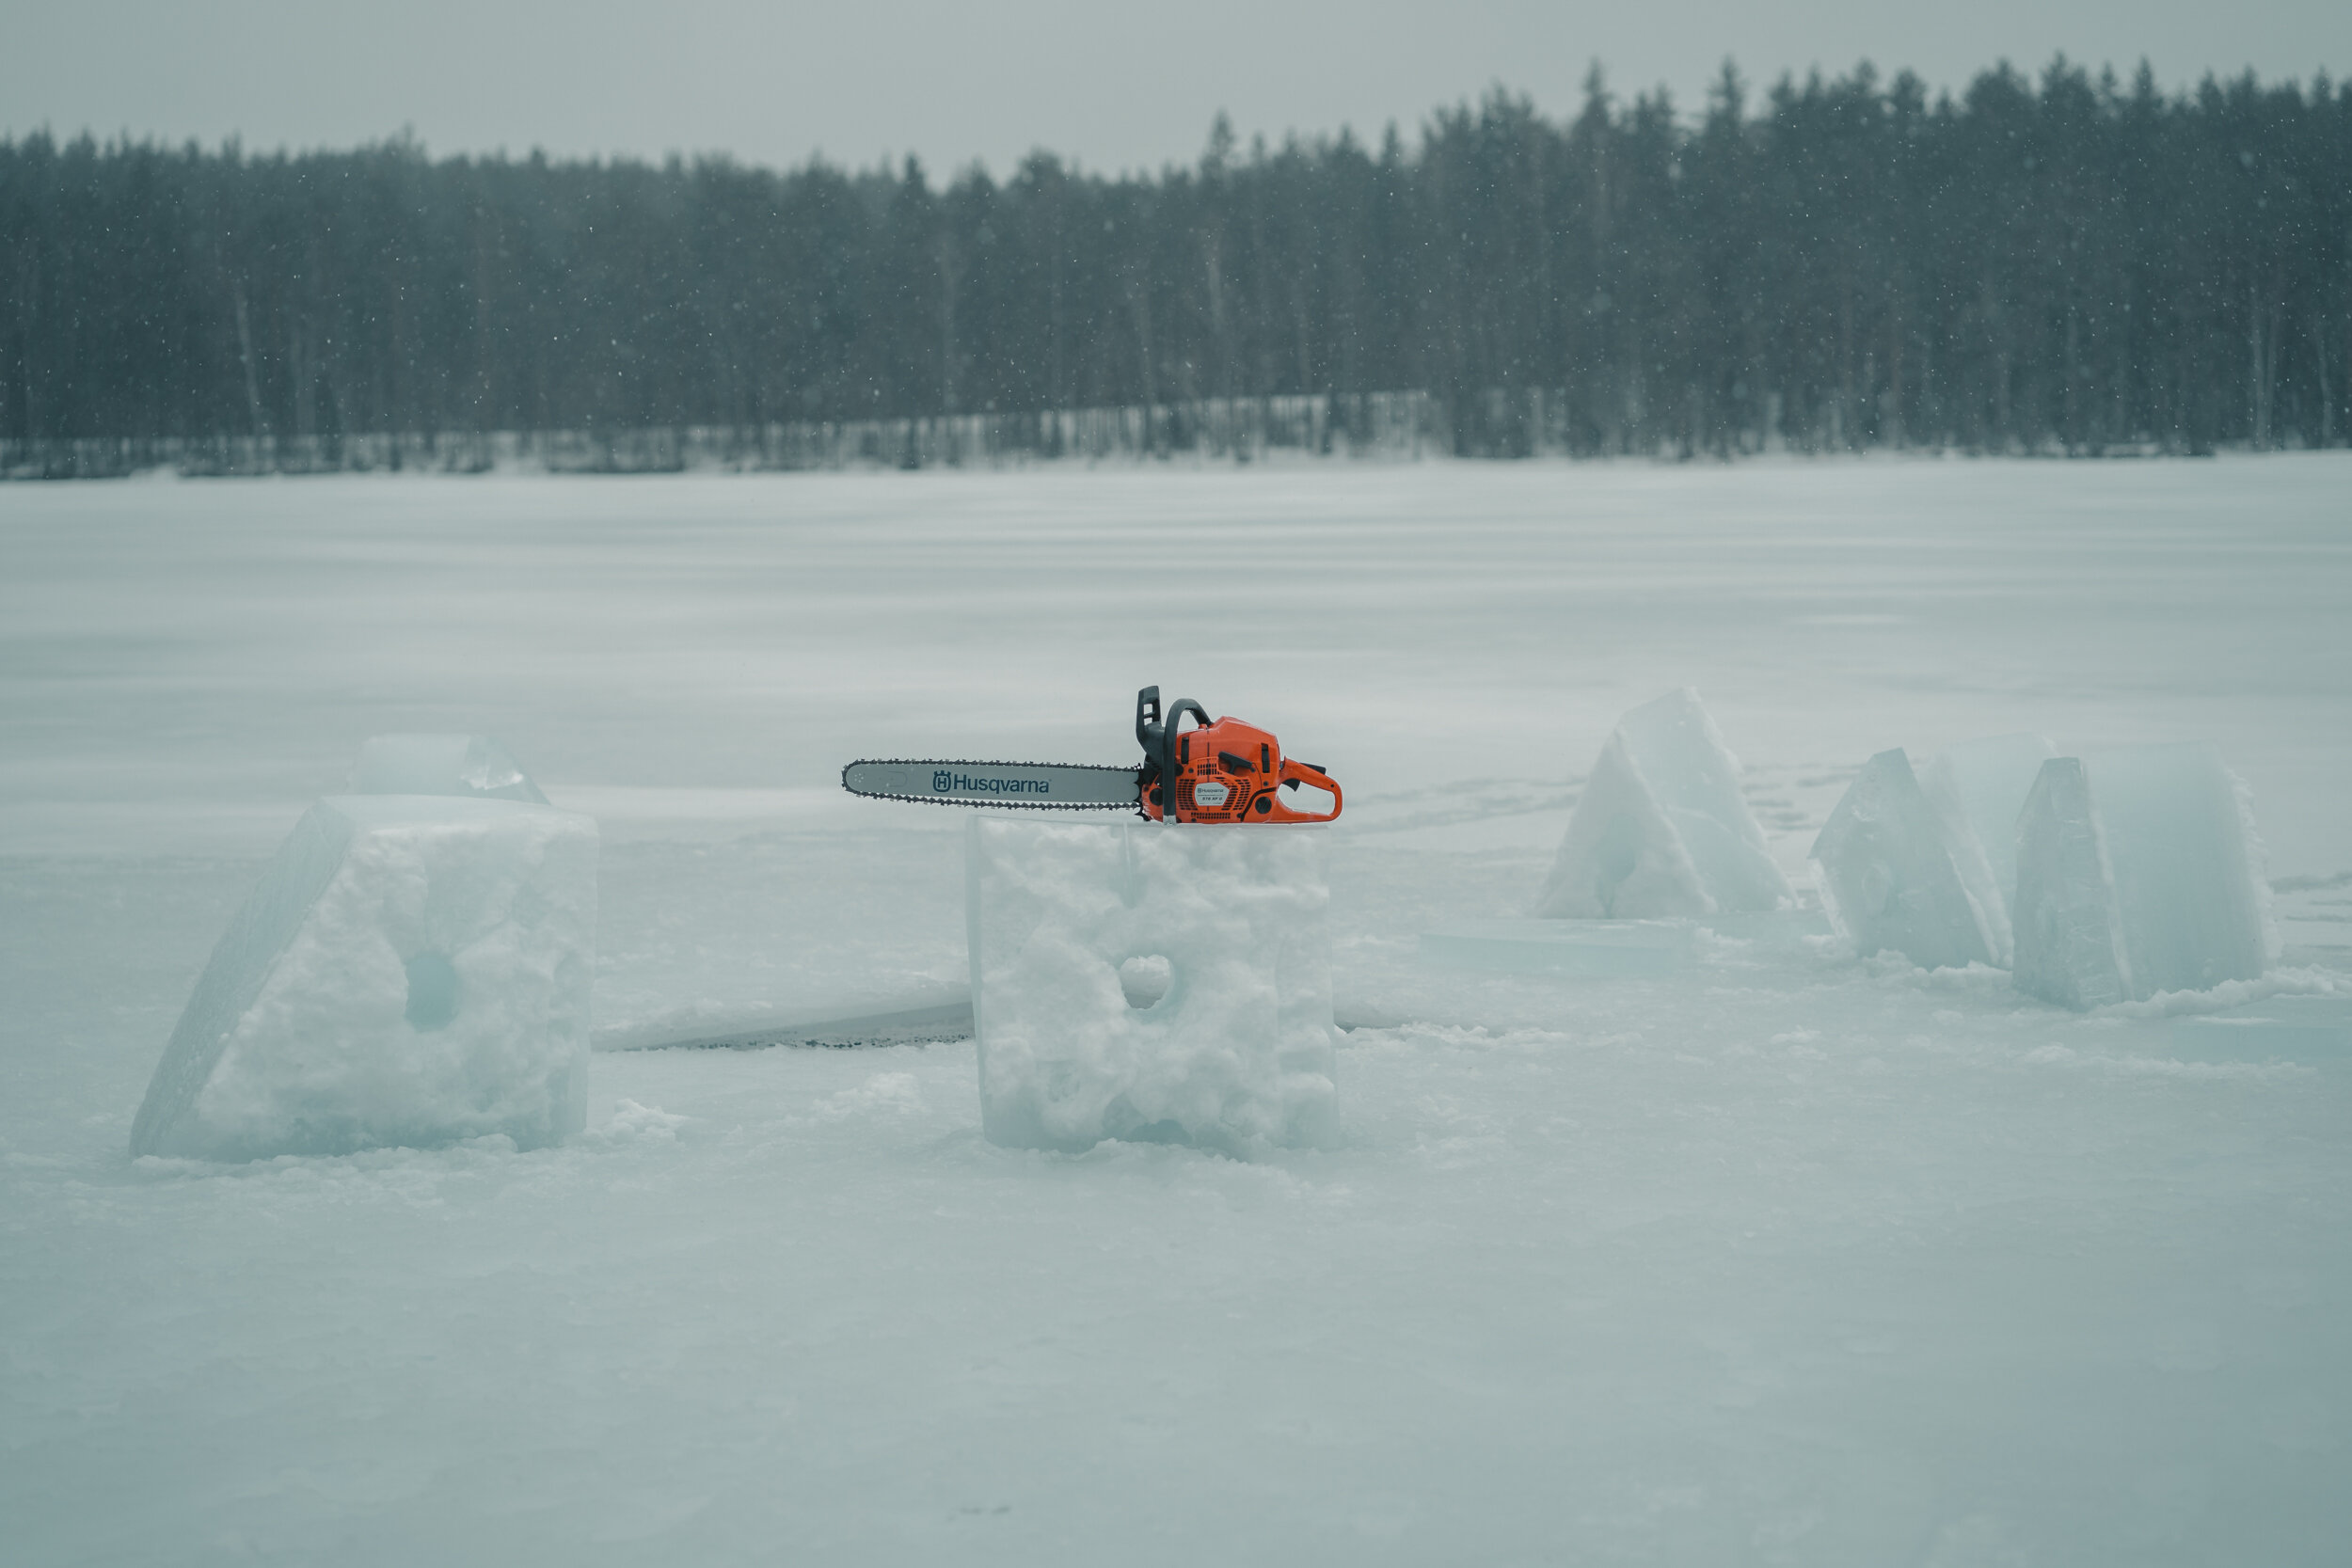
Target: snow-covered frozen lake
column 1791, row 1258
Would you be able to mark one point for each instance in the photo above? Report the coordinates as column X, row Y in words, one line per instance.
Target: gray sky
column 1113, row 85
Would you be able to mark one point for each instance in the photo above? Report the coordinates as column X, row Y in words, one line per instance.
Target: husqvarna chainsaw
column 1219, row 770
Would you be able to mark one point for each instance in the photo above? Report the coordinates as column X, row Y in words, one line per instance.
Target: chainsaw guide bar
column 1023, row 786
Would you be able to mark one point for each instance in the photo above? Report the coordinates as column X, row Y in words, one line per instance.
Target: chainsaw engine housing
column 1221, row 771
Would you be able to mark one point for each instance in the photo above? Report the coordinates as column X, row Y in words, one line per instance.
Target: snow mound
column 464, row 764
column 1978, row 787
column 2138, row 875
column 1150, row 982
column 412, row 970
column 1662, row 828
column 1887, row 875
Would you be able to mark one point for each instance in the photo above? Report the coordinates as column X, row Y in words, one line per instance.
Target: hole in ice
column 432, row 991
column 1146, row 980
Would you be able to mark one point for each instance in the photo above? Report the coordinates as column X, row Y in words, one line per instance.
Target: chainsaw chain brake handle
column 1169, row 779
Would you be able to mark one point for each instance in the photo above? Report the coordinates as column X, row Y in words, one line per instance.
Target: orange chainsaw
column 1219, row 770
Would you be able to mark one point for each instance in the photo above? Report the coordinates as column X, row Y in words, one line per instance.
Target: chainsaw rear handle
column 1294, row 774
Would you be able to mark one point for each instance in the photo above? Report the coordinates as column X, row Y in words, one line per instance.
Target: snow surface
column 1780, row 1256
column 411, row 970
column 1152, row 982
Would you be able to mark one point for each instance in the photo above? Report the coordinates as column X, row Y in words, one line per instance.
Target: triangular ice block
column 1886, row 875
column 2138, row 873
column 1662, row 828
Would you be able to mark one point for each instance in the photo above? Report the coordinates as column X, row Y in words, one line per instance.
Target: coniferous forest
column 2070, row 264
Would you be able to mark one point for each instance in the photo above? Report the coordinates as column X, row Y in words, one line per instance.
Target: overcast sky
column 1112, row 85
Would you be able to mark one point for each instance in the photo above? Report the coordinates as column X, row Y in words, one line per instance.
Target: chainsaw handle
column 1299, row 772
column 1169, row 768
column 1158, row 740
column 1148, row 721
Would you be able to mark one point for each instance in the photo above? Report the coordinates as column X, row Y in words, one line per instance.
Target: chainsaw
column 1219, row 770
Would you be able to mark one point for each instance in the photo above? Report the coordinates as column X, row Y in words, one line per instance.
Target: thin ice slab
column 412, row 970
column 1662, row 827
column 471, row 766
column 925, row 1015
column 1884, row 865
column 1593, row 950
column 2314, row 1029
column 1150, row 982
column 1978, row 788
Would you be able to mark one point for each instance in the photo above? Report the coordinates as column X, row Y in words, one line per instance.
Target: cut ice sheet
column 2312, row 1029
column 1596, row 949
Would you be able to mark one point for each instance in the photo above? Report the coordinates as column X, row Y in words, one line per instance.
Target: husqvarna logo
column 947, row 782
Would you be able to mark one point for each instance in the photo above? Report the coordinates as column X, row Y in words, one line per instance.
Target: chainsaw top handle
column 1158, row 739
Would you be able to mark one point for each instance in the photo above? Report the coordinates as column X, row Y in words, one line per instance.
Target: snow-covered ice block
column 1978, row 787
column 412, row 970
column 1886, row 874
column 466, row 765
column 2137, row 873
column 1150, row 982
column 1662, row 828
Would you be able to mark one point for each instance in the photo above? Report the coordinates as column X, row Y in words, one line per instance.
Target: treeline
column 2077, row 264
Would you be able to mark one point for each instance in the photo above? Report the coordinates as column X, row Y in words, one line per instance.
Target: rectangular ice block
column 412, row 970
column 1150, row 982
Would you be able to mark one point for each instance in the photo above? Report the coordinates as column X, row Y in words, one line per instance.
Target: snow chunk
column 412, row 970
column 469, row 765
column 1662, row 828
column 1978, row 787
column 2137, row 875
column 1152, row 982
column 1888, row 877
